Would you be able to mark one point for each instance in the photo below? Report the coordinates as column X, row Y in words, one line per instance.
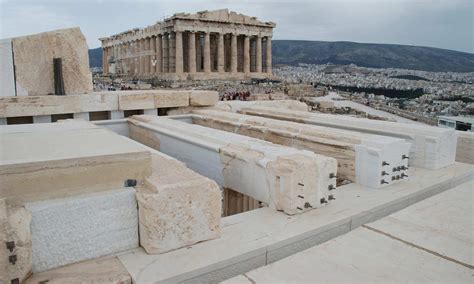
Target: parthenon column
column 192, row 52
column 147, row 56
column 172, row 52
column 269, row 55
column 220, row 54
column 152, row 57
column 233, row 54
column 207, row 53
column 258, row 65
column 137, row 57
column 165, row 47
column 159, row 51
column 179, row 53
column 142, row 57
column 246, row 55
column 104, row 60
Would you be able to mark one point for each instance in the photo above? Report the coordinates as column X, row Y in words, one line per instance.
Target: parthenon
column 207, row 45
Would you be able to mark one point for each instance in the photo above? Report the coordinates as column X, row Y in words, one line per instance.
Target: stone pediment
column 222, row 15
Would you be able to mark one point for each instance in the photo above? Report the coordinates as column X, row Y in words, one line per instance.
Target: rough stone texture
column 208, row 98
column 83, row 227
column 177, row 207
column 431, row 147
column 33, row 59
column 348, row 147
column 465, row 147
column 7, row 75
column 15, row 226
column 102, row 270
column 47, row 105
column 78, row 156
column 236, row 106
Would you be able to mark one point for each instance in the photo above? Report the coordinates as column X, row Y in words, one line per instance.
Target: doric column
column 153, row 55
column 142, row 56
column 233, row 54
column 104, row 60
column 165, row 47
column 192, row 52
column 207, row 53
column 246, row 55
column 179, row 53
column 136, row 56
column 258, row 65
column 220, row 54
column 159, row 54
column 172, row 53
column 147, row 56
column 269, row 55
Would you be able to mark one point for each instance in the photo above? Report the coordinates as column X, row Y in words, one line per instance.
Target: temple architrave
column 207, row 45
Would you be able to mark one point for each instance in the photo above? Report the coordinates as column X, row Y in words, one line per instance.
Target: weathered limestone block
column 47, row 105
column 290, row 180
column 103, row 270
column 33, row 59
column 203, row 98
column 43, row 161
column 431, row 147
column 7, row 75
column 73, row 229
column 348, row 147
column 15, row 227
column 177, row 207
column 171, row 99
column 236, row 106
column 465, row 147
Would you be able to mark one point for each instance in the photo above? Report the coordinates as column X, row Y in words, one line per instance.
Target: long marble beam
column 287, row 179
column 431, row 147
column 370, row 160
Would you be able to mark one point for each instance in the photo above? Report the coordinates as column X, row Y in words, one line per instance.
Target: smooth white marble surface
column 361, row 256
column 443, row 224
column 263, row 235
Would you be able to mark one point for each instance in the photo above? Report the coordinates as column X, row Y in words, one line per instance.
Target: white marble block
column 83, row 227
column 431, row 147
column 287, row 179
column 361, row 158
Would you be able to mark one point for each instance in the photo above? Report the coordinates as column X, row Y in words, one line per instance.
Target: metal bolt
column 384, row 173
column 331, row 187
column 331, row 197
column 394, row 169
column 332, row 175
column 10, row 246
column 385, row 163
column 12, row 259
column 383, row 182
column 405, row 157
column 323, row 200
column 404, row 175
column 307, row 205
column 299, row 208
column 404, row 168
column 130, row 182
column 300, row 196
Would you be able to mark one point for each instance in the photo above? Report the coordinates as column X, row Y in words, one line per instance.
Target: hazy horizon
column 445, row 24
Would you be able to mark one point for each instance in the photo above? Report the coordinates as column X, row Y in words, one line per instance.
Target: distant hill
column 292, row 52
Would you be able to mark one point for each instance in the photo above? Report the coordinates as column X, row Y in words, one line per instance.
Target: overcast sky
column 438, row 23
